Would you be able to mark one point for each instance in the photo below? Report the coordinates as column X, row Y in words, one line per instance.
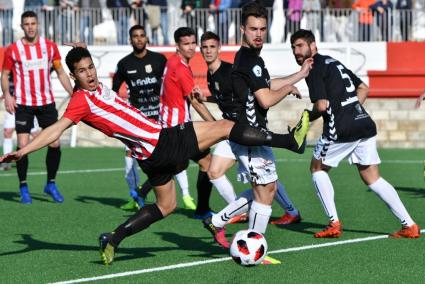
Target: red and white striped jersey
column 177, row 84
column 105, row 111
column 31, row 65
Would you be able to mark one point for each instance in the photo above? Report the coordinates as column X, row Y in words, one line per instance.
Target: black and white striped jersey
column 250, row 75
column 345, row 119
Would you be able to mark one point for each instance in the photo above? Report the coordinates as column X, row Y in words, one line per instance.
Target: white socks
column 224, row 188
column 388, row 194
column 234, row 208
column 259, row 216
column 283, row 199
column 131, row 173
column 7, row 145
column 325, row 192
column 183, row 182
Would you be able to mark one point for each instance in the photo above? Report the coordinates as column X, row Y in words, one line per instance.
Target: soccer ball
column 248, row 247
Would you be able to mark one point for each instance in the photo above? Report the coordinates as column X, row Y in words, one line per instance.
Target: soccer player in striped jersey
column 30, row 59
column 160, row 152
column 349, row 132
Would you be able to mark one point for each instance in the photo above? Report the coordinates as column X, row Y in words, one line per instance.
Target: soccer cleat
column 188, row 202
column 219, row 234
column 130, row 205
column 287, row 219
column 270, row 260
column 300, row 130
column 52, row 190
column 239, row 218
column 107, row 250
column 333, row 230
column 411, row 232
column 25, row 195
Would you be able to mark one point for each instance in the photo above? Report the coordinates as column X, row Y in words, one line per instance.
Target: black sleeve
column 316, row 83
column 257, row 78
column 118, row 78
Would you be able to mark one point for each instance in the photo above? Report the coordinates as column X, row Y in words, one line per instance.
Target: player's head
column 82, row 69
column 29, row 24
column 185, row 42
column 303, row 45
column 138, row 38
column 254, row 25
column 210, row 47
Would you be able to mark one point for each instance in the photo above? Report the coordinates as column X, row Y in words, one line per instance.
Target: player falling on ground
column 224, row 157
column 252, row 85
column 30, row 59
column 348, row 132
column 160, row 152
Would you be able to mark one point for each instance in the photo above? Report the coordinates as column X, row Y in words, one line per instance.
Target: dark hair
column 74, row 56
column 28, row 14
column 210, row 35
column 306, row 35
column 181, row 32
column 254, row 9
column 136, row 27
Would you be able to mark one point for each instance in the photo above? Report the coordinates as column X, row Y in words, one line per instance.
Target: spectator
column 293, row 16
column 340, row 11
column 311, row 10
column 121, row 12
column 382, row 11
column 405, row 7
column 223, row 21
column 158, row 17
column 65, row 28
column 196, row 19
column 365, row 18
column 90, row 15
column 6, row 16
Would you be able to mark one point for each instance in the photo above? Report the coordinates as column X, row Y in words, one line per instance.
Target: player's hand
column 419, row 100
column 10, row 104
column 306, row 67
column 295, row 92
column 76, row 44
column 11, row 157
column 197, row 94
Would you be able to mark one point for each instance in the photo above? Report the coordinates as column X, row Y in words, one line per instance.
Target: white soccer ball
column 248, row 247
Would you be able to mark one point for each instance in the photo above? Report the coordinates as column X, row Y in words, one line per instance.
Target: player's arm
column 267, row 97
column 197, row 101
column 46, row 137
column 9, row 100
column 278, row 83
column 62, row 76
column 319, row 107
column 362, row 92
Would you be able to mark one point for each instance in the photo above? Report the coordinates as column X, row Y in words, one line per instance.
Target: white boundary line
column 191, row 165
column 202, row 262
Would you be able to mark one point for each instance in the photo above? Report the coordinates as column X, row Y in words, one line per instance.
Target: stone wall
column 399, row 124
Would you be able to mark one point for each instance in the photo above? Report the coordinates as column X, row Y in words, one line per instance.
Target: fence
column 110, row 26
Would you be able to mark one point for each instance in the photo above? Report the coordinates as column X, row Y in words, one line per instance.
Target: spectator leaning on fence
column 121, row 12
column 365, row 18
column 158, row 17
column 339, row 11
column 90, row 15
column 6, row 16
column 382, row 11
column 405, row 11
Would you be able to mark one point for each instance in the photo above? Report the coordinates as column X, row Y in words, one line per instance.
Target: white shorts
column 9, row 122
column 256, row 164
column 362, row 152
column 223, row 149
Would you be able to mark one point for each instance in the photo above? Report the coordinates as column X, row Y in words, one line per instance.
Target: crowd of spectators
column 330, row 20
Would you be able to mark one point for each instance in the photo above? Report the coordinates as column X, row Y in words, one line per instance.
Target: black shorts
column 175, row 147
column 201, row 155
column 24, row 117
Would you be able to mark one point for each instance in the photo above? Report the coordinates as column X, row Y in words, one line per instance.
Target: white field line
column 202, row 262
column 13, row 173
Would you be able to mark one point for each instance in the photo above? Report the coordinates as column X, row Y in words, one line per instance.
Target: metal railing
column 110, row 26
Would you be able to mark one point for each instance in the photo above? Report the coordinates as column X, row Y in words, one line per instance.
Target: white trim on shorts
column 9, row 120
column 223, row 149
column 363, row 152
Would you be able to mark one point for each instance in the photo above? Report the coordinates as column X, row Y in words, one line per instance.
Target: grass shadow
column 312, row 228
column 109, row 201
column 413, row 191
column 14, row 196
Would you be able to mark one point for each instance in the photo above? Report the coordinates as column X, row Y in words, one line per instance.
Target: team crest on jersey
column 217, row 86
column 358, row 108
column 257, row 71
column 148, row 68
column 107, row 94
